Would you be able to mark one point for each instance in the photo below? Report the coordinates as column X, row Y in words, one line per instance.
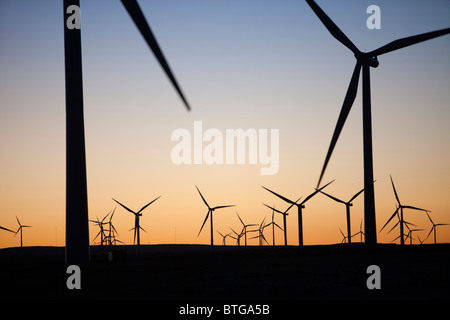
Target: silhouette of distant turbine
column 401, row 220
column 348, row 204
column 433, row 228
column 245, row 227
column 300, row 207
column 77, row 228
column 21, row 231
column 260, row 231
column 210, row 214
column 364, row 60
column 285, row 214
column 224, row 237
column 273, row 223
column 137, row 227
column 101, row 233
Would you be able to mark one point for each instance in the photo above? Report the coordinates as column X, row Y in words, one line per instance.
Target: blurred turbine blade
column 345, row 110
column 207, row 215
column 332, row 27
column 141, row 23
column 408, row 41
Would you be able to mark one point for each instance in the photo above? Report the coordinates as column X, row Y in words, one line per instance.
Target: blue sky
column 248, row 64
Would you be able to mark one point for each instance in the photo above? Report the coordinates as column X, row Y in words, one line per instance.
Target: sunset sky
column 242, row 64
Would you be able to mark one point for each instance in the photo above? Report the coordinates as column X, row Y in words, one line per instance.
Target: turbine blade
column 334, row 198
column 332, row 27
column 110, row 218
column 395, row 192
column 393, row 227
column 408, row 41
column 125, row 207
column 274, row 209
column 207, row 215
column 220, row 207
column 430, row 218
column 280, row 196
column 431, row 230
column 393, row 215
column 148, row 204
column 240, row 219
column 356, row 195
column 203, row 197
column 6, row 229
column 141, row 23
column 316, row 191
column 414, row 208
column 346, row 107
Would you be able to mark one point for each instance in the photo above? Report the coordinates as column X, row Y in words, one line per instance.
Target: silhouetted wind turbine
column 433, row 228
column 285, row 214
column 401, row 207
column 102, row 230
column 77, row 228
column 224, row 237
column 245, row 227
column 138, row 214
column 364, row 60
column 300, row 206
column 343, row 236
column 260, row 231
column 238, row 235
column 210, row 213
column 410, row 231
column 112, row 230
column 273, row 223
column 348, row 204
column 21, row 231
column 360, row 232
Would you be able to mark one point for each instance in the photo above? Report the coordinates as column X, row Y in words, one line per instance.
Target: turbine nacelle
column 364, row 57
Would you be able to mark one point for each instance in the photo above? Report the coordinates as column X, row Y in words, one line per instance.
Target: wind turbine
column 224, row 237
column 260, row 231
column 238, row 235
column 285, row 214
column 300, row 207
column 112, row 230
column 273, row 223
column 244, row 230
column 410, row 231
column 343, row 236
column 21, row 231
column 77, row 228
column 364, row 60
column 360, row 231
column 433, row 228
column 138, row 214
column 102, row 231
column 210, row 213
column 348, row 204
column 401, row 220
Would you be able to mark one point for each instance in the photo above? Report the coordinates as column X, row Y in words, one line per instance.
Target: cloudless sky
column 241, row 64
